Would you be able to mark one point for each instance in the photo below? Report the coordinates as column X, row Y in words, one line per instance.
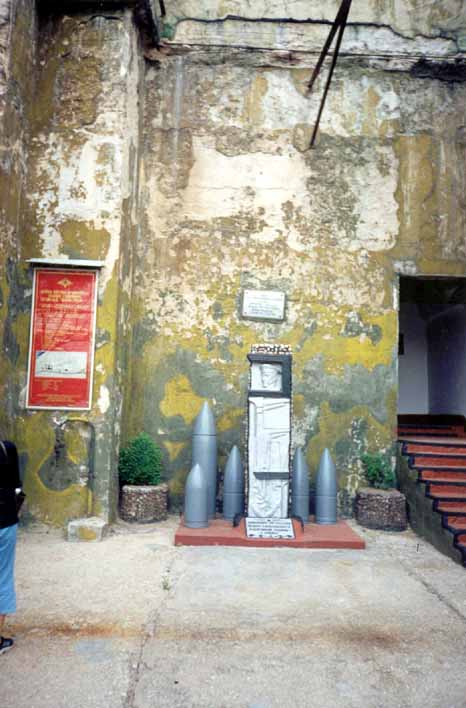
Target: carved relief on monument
column 269, row 438
column 268, row 454
column 266, row 377
column 268, row 498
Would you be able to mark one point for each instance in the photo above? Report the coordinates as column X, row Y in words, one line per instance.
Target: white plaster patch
column 375, row 203
column 51, row 243
column 221, row 186
column 80, row 194
column 348, row 111
column 87, row 190
column 389, row 106
column 103, row 403
column 180, row 304
column 282, row 105
column 23, row 397
column 396, row 297
column 405, row 267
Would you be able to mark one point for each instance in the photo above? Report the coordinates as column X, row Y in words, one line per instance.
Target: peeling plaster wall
column 232, row 198
column 359, row 39
column 17, row 51
column 186, row 169
column 406, row 18
column 82, row 203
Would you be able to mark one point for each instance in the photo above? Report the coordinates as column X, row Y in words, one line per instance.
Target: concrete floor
column 136, row 622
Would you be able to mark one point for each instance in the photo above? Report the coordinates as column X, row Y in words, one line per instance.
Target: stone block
column 143, row 503
column 87, row 529
column 383, row 509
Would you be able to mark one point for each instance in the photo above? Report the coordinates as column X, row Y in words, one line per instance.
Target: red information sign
column 62, row 339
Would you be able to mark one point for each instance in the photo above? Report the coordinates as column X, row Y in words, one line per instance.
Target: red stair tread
column 452, row 507
column 443, row 440
column 428, row 432
column 450, row 492
column 456, row 522
column 461, row 539
column 455, row 488
column 440, row 451
column 439, row 462
column 442, row 476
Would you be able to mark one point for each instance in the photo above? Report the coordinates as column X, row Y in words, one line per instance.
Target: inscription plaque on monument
column 263, row 305
column 269, row 528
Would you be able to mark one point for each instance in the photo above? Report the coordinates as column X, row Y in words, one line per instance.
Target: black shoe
column 5, row 644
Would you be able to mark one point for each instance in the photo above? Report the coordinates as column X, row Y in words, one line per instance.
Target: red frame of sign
column 61, row 350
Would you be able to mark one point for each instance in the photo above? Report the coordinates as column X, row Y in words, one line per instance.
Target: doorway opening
column 432, row 351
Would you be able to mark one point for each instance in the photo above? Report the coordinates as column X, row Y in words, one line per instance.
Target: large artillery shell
column 326, row 490
column 204, row 453
column 233, row 486
column 195, row 499
column 300, row 486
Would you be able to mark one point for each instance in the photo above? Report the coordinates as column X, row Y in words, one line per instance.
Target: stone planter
column 143, row 503
column 383, row 509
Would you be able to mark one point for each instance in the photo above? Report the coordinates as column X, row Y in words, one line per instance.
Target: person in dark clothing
column 10, row 486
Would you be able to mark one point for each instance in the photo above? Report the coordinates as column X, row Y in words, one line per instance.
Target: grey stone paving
column 137, row 623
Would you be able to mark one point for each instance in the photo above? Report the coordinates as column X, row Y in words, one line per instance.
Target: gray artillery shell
column 195, row 499
column 300, row 486
column 326, row 490
column 233, row 486
column 204, row 453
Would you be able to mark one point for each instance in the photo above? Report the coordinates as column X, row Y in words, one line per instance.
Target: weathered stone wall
column 191, row 178
column 401, row 17
column 17, row 60
column 5, row 26
column 82, row 203
column 233, row 198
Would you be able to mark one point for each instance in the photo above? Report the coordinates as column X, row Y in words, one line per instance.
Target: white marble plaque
column 263, row 305
column 269, row 528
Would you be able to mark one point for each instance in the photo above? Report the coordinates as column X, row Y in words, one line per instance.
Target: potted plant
column 380, row 506
column 142, row 496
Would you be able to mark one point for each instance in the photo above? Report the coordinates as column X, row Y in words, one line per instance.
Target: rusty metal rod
column 340, row 26
column 344, row 10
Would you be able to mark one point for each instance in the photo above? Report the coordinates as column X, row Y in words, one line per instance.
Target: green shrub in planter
column 378, row 470
column 140, row 462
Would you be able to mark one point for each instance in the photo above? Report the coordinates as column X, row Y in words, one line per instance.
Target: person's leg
column 7, row 582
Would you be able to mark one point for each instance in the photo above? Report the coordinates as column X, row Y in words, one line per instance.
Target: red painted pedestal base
column 221, row 533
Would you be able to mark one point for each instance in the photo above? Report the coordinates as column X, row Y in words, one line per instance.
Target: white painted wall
column 413, row 396
column 446, row 336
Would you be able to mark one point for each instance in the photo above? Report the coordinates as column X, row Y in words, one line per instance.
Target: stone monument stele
column 269, row 431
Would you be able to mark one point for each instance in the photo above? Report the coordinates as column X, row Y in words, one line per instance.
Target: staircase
column 436, row 455
column 432, row 426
